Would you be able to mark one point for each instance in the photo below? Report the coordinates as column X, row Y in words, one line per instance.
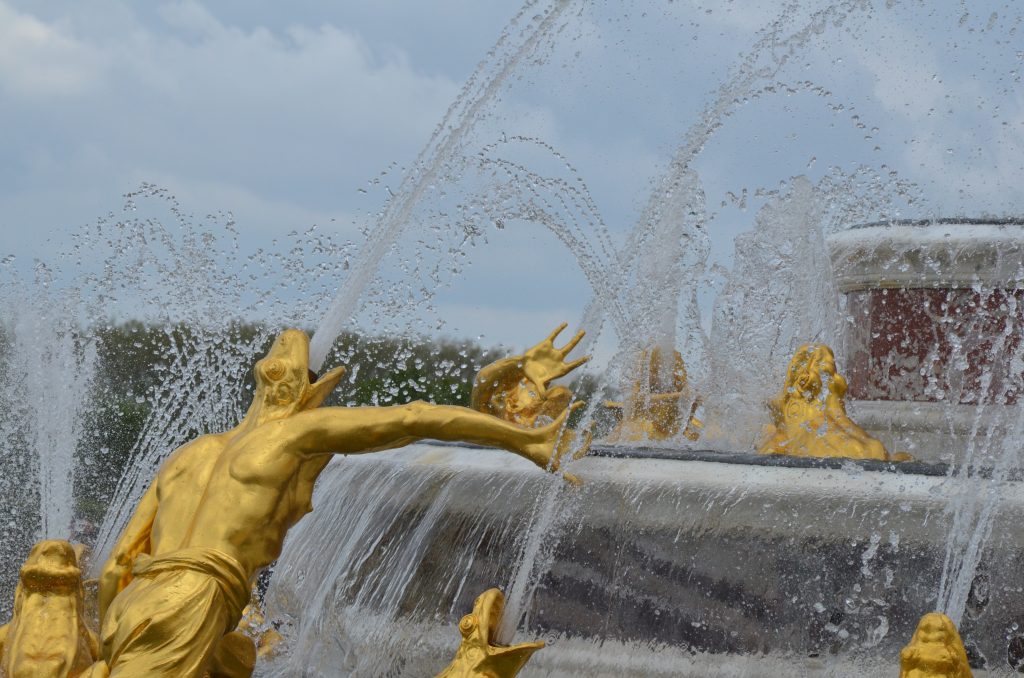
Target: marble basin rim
column 936, row 253
column 683, row 562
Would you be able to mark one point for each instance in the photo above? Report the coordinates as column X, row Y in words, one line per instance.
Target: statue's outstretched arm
column 354, row 430
column 135, row 539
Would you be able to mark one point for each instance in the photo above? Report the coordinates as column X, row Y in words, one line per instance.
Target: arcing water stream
column 443, row 156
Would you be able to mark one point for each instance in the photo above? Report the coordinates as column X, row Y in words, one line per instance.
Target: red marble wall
column 956, row 345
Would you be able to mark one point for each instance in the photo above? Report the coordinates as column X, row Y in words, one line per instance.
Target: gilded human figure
column 518, row 388
column 174, row 587
column 652, row 410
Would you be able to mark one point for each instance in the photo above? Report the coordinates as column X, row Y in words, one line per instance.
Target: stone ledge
column 934, row 254
column 717, row 561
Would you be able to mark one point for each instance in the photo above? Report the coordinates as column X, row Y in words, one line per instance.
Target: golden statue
column 518, row 389
column 477, row 657
column 809, row 416
column 47, row 636
column 175, row 585
column 652, row 410
column 935, row 651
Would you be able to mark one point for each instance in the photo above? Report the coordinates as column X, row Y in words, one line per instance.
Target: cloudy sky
column 287, row 114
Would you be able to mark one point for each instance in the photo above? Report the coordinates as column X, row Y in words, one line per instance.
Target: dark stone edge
column 918, row 468
column 772, row 460
column 944, row 221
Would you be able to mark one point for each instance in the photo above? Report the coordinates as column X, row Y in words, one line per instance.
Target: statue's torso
column 237, row 493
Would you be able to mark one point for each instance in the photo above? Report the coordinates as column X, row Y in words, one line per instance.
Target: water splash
column 552, row 512
column 442, row 157
column 779, row 296
column 421, row 538
column 978, row 479
column 158, row 263
column 374, row 578
column 43, row 410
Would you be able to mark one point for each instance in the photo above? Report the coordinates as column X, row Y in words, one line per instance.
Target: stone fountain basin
column 694, row 560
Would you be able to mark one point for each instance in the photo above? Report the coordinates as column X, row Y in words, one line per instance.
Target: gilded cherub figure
column 47, row 636
column 935, row 651
column 809, row 416
column 652, row 410
column 174, row 587
column 478, row 656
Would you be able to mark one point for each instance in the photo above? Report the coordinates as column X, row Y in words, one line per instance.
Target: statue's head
column 936, row 627
column 524, row 403
column 52, row 565
column 47, row 635
column 481, row 625
column 284, row 382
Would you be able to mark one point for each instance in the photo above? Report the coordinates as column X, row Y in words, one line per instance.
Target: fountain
column 724, row 517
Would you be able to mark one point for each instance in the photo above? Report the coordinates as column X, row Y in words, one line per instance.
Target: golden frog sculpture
column 477, row 656
column 652, row 410
column 935, row 651
column 47, row 636
column 809, row 416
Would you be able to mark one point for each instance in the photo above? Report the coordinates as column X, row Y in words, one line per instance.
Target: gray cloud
column 279, row 113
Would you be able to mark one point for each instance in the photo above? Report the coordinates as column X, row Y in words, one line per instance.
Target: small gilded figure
column 478, row 656
column 518, row 389
column 935, row 651
column 47, row 636
column 809, row 416
column 652, row 411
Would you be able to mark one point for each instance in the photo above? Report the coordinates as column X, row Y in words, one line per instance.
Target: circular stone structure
column 935, row 313
column 709, row 565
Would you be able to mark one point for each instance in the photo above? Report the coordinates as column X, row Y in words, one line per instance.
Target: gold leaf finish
column 174, row 588
column 809, row 416
column 935, row 651
column 47, row 636
column 477, row 656
column 652, row 410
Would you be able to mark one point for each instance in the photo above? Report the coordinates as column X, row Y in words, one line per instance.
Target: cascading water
column 43, row 412
column 665, row 257
column 778, row 296
column 789, row 294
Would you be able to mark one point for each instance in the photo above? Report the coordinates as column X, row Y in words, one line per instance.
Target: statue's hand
column 553, row 445
column 544, row 363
